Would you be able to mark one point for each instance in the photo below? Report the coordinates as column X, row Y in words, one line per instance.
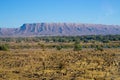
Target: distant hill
column 59, row 29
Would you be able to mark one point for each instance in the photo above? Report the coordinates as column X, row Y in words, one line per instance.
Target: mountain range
column 59, row 29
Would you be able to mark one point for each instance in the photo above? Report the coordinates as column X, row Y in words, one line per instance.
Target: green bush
column 77, row 46
column 58, row 47
column 4, row 47
column 99, row 48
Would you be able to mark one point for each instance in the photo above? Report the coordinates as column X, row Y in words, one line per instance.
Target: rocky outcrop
column 59, row 29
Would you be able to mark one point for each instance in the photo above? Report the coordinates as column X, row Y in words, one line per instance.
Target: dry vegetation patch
column 66, row 64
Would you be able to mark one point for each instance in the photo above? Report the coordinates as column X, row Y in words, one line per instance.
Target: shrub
column 43, row 47
column 99, row 48
column 77, row 46
column 4, row 47
column 105, row 41
column 58, row 47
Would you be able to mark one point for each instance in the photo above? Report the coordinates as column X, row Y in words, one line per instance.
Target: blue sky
column 14, row 13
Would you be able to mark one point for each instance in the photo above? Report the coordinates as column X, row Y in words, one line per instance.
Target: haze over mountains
column 59, row 29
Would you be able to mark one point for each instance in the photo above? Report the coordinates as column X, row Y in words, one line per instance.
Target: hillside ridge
column 59, row 29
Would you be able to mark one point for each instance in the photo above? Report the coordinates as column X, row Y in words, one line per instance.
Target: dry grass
column 66, row 64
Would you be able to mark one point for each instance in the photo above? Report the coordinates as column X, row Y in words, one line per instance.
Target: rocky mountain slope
column 59, row 29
